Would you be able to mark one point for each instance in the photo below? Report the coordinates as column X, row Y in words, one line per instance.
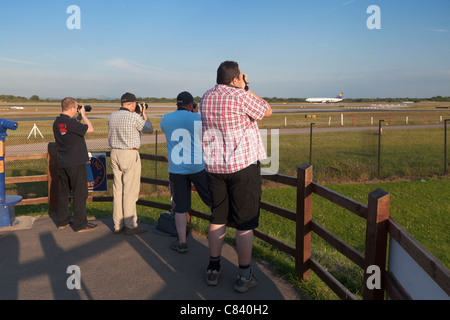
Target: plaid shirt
column 125, row 129
column 231, row 138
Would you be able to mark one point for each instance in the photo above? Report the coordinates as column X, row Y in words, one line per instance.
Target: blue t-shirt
column 183, row 130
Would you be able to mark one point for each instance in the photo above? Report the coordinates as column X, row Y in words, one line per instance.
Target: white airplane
column 17, row 108
column 339, row 98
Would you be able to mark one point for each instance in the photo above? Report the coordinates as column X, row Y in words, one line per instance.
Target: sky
column 288, row 48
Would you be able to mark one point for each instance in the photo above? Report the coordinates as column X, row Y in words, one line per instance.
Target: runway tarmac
column 105, row 114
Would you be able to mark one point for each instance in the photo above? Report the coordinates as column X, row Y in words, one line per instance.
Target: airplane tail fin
column 340, row 96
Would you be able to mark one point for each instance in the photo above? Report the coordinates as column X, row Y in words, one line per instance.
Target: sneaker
column 179, row 247
column 243, row 285
column 136, row 230
column 212, row 277
column 88, row 227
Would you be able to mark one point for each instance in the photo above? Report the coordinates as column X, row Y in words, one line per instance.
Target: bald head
column 68, row 103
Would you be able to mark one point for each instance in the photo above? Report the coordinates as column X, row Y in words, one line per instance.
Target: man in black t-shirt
column 72, row 158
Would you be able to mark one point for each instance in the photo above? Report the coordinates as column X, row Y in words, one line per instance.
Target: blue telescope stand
column 7, row 203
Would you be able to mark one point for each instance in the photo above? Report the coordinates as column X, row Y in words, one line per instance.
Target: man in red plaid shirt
column 232, row 148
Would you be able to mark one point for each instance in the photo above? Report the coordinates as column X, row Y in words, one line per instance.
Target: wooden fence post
column 376, row 242
column 303, row 218
column 52, row 178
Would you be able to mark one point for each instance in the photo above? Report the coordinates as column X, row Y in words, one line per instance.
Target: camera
column 87, row 108
column 194, row 107
column 139, row 107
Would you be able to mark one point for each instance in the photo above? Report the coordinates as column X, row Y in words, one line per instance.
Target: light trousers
column 126, row 167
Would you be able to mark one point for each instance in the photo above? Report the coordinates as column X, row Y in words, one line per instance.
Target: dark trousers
column 236, row 197
column 72, row 179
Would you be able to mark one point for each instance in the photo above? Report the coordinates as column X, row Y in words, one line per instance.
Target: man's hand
column 82, row 112
column 144, row 116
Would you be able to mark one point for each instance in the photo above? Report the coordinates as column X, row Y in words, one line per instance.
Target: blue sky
column 289, row 48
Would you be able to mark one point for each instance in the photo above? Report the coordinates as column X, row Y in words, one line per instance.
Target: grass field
column 352, row 156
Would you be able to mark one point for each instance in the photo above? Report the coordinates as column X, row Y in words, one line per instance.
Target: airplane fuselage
column 323, row 100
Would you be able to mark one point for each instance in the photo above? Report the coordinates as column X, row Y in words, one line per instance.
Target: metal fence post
column 156, row 153
column 379, row 148
column 310, row 143
column 445, row 145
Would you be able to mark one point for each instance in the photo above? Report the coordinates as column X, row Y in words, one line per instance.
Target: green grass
column 352, row 156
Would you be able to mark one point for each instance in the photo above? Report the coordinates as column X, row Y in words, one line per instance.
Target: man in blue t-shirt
column 183, row 131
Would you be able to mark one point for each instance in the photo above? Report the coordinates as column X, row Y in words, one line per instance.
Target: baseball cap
column 184, row 98
column 128, row 97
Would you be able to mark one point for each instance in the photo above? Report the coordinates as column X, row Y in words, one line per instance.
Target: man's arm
column 144, row 116
column 245, row 83
column 269, row 110
column 148, row 128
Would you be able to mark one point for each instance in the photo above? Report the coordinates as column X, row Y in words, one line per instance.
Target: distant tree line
column 36, row 98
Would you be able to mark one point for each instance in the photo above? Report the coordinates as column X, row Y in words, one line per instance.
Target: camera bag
column 166, row 224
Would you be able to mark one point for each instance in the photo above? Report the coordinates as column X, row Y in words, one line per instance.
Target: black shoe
column 178, row 246
column 88, row 227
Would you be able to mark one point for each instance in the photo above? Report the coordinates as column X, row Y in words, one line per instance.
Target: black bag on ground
column 166, row 224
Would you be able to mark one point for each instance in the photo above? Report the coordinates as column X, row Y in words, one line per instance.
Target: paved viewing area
column 35, row 256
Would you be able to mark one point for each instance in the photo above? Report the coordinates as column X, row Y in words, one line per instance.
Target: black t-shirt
column 69, row 137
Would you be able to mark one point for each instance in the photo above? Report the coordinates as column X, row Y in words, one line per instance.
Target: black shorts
column 180, row 189
column 236, row 197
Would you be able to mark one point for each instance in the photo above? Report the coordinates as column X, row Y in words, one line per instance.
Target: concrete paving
column 35, row 256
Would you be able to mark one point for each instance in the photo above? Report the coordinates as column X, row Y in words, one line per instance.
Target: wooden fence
column 376, row 214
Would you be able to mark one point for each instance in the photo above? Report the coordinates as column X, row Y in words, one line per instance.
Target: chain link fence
column 338, row 153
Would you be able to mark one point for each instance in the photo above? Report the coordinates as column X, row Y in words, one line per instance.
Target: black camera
column 87, row 108
column 139, row 107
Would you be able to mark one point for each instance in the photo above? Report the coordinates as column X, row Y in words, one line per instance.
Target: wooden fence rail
column 376, row 214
